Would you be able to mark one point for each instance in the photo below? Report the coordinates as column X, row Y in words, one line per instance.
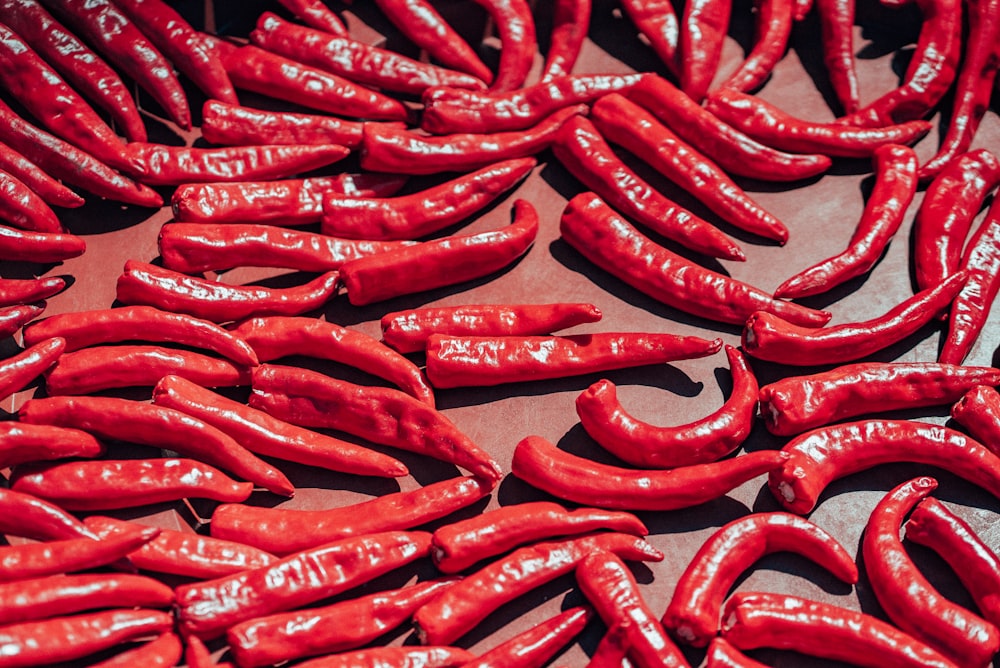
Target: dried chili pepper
column 12, row 318
column 28, row 246
column 703, row 28
column 21, row 207
column 18, row 291
column 773, row 27
column 49, row 189
column 722, row 654
column 233, row 125
column 162, row 652
column 657, row 21
column 316, row 14
column 836, row 19
column 515, row 26
column 21, row 442
column 696, row 605
column 536, row 646
column 39, row 598
column 398, row 657
column 20, row 369
column 36, row 560
column 30, row 517
column 570, row 23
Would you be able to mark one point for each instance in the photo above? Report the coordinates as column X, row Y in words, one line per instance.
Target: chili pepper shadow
column 98, row 216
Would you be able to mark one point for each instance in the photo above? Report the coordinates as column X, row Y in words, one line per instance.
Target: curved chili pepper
column 515, row 26
column 566, row 476
column 21, row 443
column 905, row 595
column 207, row 609
column 12, row 318
column 570, row 23
column 162, row 652
column 657, row 21
column 459, row 545
column 471, row 600
column 233, row 125
column 264, row 641
column 40, row 598
column 379, row 414
column 773, row 25
column 978, row 410
column 823, row 455
column 441, row 262
column 21, row 207
column 612, row 650
column 694, row 611
column 819, row 629
column 147, row 284
column 43, row 247
column 316, row 14
column 647, row 446
column 30, row 517
column 836, row 19
column 22, row 291
column 536, row 646
column 424, row 212
column 20, row 369
column 197, row 655
column 595, row 231
column 477, row 361
column 36, row 560
column 699, row 49
column 398, row 657
column 769, row 337
column 49, row 189
column 722, row 654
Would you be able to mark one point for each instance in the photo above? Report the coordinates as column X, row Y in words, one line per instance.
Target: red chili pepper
column 593, row 229
column 21, row 207
column 379, row 414
column 657, row 21
column 570, row 23
column 536, row 646
column 424, row 212
column 18, row 291
column 823, row 630
column 836, row 18
column 49, row 189
column 566, row 476
column 695, row 608
column 207, row 609
column 773, row 26
column 20, row 369
column 441, row 262
column 40, row 598
column 197, row 655
column 612, row 650
column 36, row 560
column 699, row 49
column 30, row 517
column 515, row 26
column 397, row 657
column 769, row 337
column 316, row 14
column 233, row 125
column 21, row 443
column 163, row 652
column 42, row 247
column 722, row 654
column 12, row 318
column 143, row 283
column 978, row 410
column 459, row 545
column 823, row 455
column 648, row 446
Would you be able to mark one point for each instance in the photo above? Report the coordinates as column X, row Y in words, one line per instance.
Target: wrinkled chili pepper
column 649, row 446
column 696, row 605
column 515, row 26
column 570, row 24
column 722, row 654
column 316, row 14
column 197, row 655
column 21, row 207
column 699, row 48
column 36, row 560
column 30, row 517
column 21, row 442
column 39, row 598
column 162, row 652
column 19, row 291
column 657, row 21
column 20, row 369
column 770, row 337
column 42, row 247
column 398, row 657
column 572, row 478
column 49, row 189
column 441, row 262
column 978, row 411
column 773, row 27
column 233, row 125
column 836, row 19
column 593, row 229
column 12, row 318
column 536, row 646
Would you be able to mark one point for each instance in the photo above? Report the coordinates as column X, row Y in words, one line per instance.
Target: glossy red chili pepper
column 464, row 605
column 441, row 262
column 197, row 655
column 593, row 229
column 316, row 14
column 823, row 455
column 21, row 207
column 21, row 443
column 30, row 517
column 657, row 21
column 424, row 212
column 612, row 650
column 146, row 284
column 649, row 446
column 20, row 369
column 397, row 657
column 459, row 545
column 515, row 26
column 42, row 247
column 836, row 18
column 535, row 647
column 233, row 125
column 379, row 414
column 769, row 337
column 773, row 28
column 40, row 598
column 699, row 49
column 163, row 652
column 695, row 608
column 570, row 23
column 12, row 318
column 978, row 410
column 722, row 654
column 18, row 291
column 823, row 630
column 36, row 560
column 566, row 476
column 49, row 189
column 207, row 609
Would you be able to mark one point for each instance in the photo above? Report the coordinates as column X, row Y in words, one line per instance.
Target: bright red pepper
column 836, row 18
column 515, row 26
column 722, row 654
column 233, row 125
column 978, row 411
column 20, row 369
column 21, row 443
column 397, row 657
column 37, row 560
column 536, row 646
column 163, row 652
column 40, row 598
column 49, row 189
column 12, row 318
column 657, row 21
column 197, row 655
column 21, row 207
column 30, row 517
column 19, row 291
column 570, row 24
column 316, row 14
column 773, row 28
column 699, row 49
column 41, row 247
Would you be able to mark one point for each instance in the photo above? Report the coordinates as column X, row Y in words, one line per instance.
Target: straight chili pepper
column 12, row 318
column 35, row 560
column 836, row 18
column 570, row 24
column 31, row 517
column 657, row 21
column 20, row 369
column 770, row 337
column 39, row 598
column 42, row 247
column 593, row 229
column 316, row 14
column 162, row 652
column 515, row 26
column 49, row 189
column 695, row 608
column 535, row 647
column 398, row 657
column 424, row 212
column 978, row 410
column 648, row 446
column 18, row 291
column 773, row 27
column 21, row 207
column 699, row 48
column 21, row 443
column 441, row 262
column 722, row 654
column 566, row 476
column 233, row 125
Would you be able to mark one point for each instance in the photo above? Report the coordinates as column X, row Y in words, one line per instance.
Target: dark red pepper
column 316, row 14
column 515, row 26
column 699, row 49
column 20, row 369
column 657, row 21
column 12, row 318
column 773, row 28
column 37, row 560
column 978, row 411
column 233, row 125
column 535, row 647
column 49, row 189
column 19, row 291
column 21, row 442
column 836, row 18
column 21, row 207
column 41, row 247
column 570, row 25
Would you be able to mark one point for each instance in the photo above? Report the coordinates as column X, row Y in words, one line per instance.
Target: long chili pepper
column 398, row 657
column 593, row 229
column 379, row 414
column 465, row 604
column 773, row 27
column 42, row 247
column 946, row 213
column 17, row 291
column 978, row 411
column 515, row 26
column 316, row 14
column 459, row 545
column 207, row 609
column 441, row 262
column 147, row 284
column 566, row 476
column 836, row 19
column 349, row 624
column 21, row 207
column 814, row 628
column 699, row 48
column 282, row 531
column 162, row 652
column 12, row 318
column 19, row 370
column 535, row 647
column 21, row 443
column 408, row 331
column 823, row 455
column 386, row 148
column 648, row 446
column 39, row 598
column 625, row 123
column 694, row 611
column 30, row 517
column 36, row 560
column 570, row 23
column 657, row 21
column 722, row 654
column 770, row 337
column 49, row 189
column 424, row 212
column 233, row 125
column 476, row 361
column 582, row 150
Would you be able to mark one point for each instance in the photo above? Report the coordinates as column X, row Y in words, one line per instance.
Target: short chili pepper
column 570, row 23
column 566, row 476
column 696, row 605
column 836, row 19
column 978, row 411
column 773, row 28
column 183, row 553
column 345, row 625
column 823, row 455
column 478, row 361
column 42, row 247
column 439, row 263
column 593, row 229
column 233, row 125
column 207, row 609
column 49, row 189
column 649, row 446
column 722, row 654
column 36, row 560
column 379, row 414
column 814, row 628
column 770, row 337
column 585, row 154
column 703, row 28
column 19, row 370
column 535, row 647
column 21, row 207
column 895, row 185
column 21, row 443
column 31, row 517
column 398, row 657
column 657, row 21
column 283, row 531
column 316, row 14
column 21, row 291
column 467, row 603
column 459, row 545
column 424, row 212
column 162, row 652
column 145, row 284
column 515, row 26
column 39, row 598
column 12, row 318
